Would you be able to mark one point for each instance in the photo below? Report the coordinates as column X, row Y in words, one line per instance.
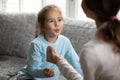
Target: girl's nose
column 56, row 23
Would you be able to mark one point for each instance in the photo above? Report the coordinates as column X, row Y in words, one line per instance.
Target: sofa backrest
column 18, row 30
column 79, row 32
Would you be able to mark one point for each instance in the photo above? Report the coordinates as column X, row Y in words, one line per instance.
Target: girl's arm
column 72, row 57
column 34, row 61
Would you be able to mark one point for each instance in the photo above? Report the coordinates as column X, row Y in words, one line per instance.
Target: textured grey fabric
column 16, row 32
column 79, row 32
column 9, row 66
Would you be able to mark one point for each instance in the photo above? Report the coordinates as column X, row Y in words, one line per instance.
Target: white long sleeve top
column 98, row 62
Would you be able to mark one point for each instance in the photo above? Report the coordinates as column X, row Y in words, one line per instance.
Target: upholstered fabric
column 79, row 32
column 16, row 32
column 9, row 66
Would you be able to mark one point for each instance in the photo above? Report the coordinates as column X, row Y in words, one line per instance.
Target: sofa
column 17, row 30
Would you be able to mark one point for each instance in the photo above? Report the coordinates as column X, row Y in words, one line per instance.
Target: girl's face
column 53, row 23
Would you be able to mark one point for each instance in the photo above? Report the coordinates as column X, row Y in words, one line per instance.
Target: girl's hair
column 106, row 11
column 42, row 16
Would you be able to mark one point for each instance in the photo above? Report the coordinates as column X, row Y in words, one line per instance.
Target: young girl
column 49, row 27
column 100, row 58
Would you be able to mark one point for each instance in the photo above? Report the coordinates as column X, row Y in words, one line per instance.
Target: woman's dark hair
column 106, row 11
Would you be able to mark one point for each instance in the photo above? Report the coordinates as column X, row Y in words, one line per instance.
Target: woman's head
column 50, row 20
column 103, row 9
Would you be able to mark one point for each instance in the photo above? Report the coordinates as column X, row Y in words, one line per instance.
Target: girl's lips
column 57, row 30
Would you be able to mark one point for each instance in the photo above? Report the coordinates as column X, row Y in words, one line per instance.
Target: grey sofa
column 18, row 30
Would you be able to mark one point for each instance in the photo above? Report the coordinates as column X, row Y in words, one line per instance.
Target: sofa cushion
column 16, row 32
column 9, row 66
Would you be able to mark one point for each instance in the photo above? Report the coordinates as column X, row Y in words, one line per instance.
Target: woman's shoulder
column 88, row 48
column 89, row 54
column 96, row 48
column 91, row 49
column 89, row 45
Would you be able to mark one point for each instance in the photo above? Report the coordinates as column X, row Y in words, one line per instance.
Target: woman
column 100, row 57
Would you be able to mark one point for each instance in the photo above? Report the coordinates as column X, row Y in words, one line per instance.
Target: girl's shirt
column 36, row 61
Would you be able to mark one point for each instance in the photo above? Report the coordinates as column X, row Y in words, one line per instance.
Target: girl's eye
column 50, row 21
column 60, row 19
